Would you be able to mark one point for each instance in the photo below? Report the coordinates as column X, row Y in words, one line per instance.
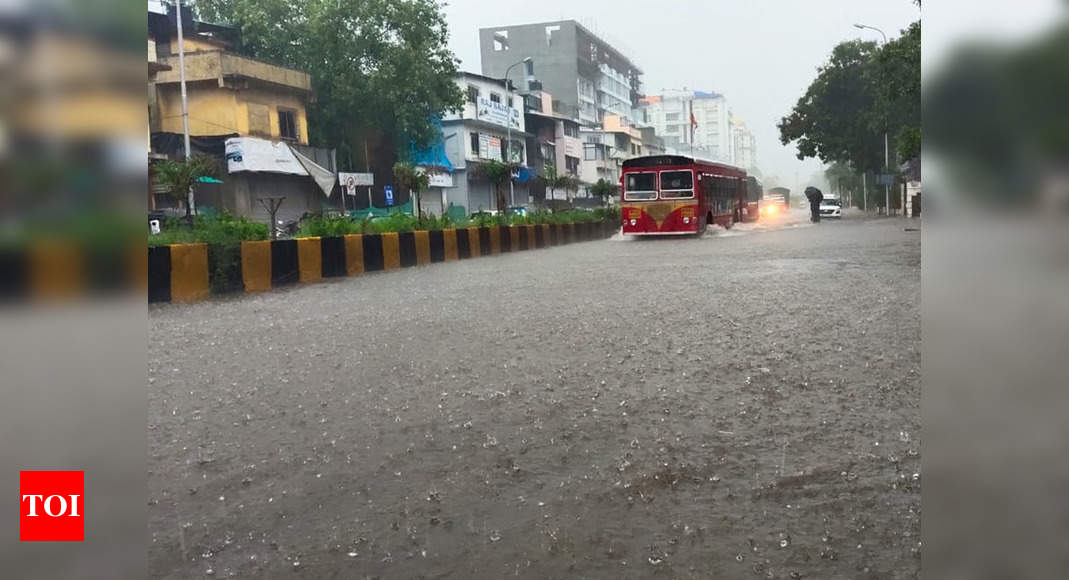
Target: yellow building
column 229, row 94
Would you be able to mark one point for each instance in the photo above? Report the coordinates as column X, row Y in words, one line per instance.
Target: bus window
column 640, row 186
column 677, row 184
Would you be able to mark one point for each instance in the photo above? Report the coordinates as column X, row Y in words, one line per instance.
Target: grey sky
column 761, row 54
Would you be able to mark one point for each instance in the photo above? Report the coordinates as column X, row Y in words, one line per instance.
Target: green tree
column 180, row 176
column 604, row 189
column 381, row 69
column 862, row 92
column 897, row 78
column 416, row 181
column 555, row 181
column 572, row 184
column 847, row 181
column 834, row 119
column 498, row 174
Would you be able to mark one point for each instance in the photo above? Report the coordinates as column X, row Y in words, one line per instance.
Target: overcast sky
column 761, row 54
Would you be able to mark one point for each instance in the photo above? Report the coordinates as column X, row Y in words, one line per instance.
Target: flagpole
column 690, row 102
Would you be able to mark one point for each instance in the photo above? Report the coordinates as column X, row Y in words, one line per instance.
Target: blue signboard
column 389, row 195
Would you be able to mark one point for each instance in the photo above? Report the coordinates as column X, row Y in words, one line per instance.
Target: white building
column 477, row 134
column 744, row 147
column 710, row 136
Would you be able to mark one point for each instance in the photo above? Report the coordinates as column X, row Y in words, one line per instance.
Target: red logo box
column 52, row 506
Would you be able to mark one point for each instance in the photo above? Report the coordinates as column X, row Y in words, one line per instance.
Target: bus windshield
column 677, row 184
column 640, row 186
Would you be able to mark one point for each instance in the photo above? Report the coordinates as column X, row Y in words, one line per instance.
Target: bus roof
column 664, row 160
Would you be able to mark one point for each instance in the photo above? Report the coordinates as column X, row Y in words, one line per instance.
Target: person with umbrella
column 815, row 196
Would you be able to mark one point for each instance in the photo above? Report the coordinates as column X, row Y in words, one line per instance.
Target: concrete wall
column 239, row 193
column 220, row 104
column 215, row 110
column 555, row 65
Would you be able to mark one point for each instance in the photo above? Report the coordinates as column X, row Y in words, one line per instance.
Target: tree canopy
column 381, row 69
column 604, row 189
column 414, row 180
column 862, row 91
column 180, row 176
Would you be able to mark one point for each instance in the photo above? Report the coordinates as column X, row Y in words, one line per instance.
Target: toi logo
column 51, row 506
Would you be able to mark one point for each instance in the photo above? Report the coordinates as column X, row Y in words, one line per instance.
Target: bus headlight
column 686, row 220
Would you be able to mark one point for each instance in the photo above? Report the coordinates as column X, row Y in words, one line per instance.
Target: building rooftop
column 616, row 51
column 485, row 78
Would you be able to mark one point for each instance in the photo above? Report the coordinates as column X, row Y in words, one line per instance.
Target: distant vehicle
column 754, row 193
column 777, row 200
column 674, row 194
column 831, row 207
column 517, row 210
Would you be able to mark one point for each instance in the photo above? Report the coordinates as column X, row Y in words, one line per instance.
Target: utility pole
column 508, row 132
column 886, row 167
column 185, row 100
column 886, row 150
column 865, row 191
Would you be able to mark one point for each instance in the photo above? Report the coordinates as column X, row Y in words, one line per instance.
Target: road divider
column 184, row 272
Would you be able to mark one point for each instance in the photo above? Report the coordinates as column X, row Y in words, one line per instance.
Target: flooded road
column 741, row 405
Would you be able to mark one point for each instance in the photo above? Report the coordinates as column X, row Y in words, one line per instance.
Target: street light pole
column 508, row 132
column 886, row 149
column 185, row 100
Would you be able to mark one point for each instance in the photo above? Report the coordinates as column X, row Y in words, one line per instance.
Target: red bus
column 673, row 194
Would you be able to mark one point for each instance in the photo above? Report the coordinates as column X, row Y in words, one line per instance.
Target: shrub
column 224, row 229
column 611, row 213
column 224, row 235
column 431, row 222
column 328, row 226
column 395, row 222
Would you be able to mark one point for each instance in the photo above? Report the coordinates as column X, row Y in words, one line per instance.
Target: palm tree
column 498, row 174
column 604, row 190
column 180, row 176
column 414, row 180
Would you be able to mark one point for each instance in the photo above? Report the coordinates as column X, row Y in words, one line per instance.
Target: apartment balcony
column 234, row 71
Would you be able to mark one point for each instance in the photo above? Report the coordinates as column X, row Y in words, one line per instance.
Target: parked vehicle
column 831, row 207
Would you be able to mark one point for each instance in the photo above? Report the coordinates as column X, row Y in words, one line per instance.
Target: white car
column 831, row 208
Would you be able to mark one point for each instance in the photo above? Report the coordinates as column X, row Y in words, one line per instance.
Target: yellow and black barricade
column 332, row 256
column 189, row 272
column 406, row 249
column 256, row 266
column 373, row 252
column 423, row 247
column 354, row 254
column 391, row 251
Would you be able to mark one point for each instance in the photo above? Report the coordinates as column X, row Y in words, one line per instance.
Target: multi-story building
column 709, row 135
column 554, row 147
column 744, row 145
column 479, row 133
column 227, row 93
column 606, row 148
column 591, row 78
column 248, row 114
